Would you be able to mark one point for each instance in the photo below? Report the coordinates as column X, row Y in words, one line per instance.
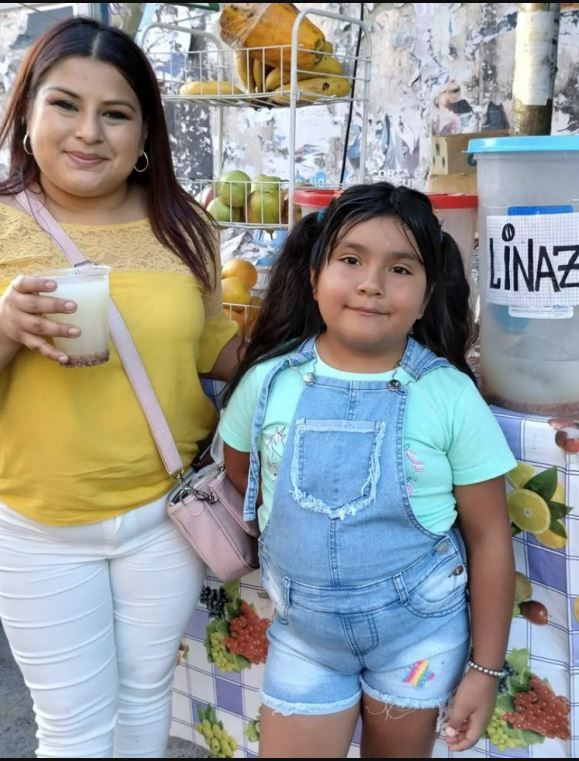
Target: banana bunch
column 310, row 90
column 250, row 68
column 329, row 64
column 325, row 77
column 209, row 87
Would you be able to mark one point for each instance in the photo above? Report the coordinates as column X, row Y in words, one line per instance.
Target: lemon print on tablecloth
column 559, row 495
column 529, row 511
column 551, row 539
column 520, row 474
column 576, row 608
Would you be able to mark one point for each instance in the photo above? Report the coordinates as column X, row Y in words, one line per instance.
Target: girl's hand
column 23, row 320
column 471, row 710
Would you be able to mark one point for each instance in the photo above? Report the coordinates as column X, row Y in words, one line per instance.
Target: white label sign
column 533, row 262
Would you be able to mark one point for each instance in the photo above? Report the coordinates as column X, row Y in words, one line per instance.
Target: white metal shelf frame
column 363, row 80
column 216, row 63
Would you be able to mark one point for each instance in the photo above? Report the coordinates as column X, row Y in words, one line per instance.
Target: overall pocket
column 441, row 588
column 336, row 464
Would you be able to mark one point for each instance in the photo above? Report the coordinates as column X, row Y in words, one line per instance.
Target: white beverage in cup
column 88, row 287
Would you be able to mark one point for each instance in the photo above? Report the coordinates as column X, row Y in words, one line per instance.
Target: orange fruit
column 242, row 269
column 235, row 291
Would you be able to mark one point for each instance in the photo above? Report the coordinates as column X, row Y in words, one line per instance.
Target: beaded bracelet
column 484, row 670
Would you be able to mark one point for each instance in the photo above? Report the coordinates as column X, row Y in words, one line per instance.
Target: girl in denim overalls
column 355, row 422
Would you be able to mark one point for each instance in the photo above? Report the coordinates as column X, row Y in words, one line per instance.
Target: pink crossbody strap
column 121, row 336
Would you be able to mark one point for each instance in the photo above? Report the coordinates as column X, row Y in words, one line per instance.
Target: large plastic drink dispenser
column 528, row 192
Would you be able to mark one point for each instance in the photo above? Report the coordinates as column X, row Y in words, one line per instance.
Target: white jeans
column 94, row 616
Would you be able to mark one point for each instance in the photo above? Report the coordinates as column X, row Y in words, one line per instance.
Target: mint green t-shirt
column 450, row 435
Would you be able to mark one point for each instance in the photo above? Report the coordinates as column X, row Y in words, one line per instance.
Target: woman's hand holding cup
column 25, row 316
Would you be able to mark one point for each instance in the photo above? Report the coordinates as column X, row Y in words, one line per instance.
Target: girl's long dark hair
column 176, row 219
column 290, row 313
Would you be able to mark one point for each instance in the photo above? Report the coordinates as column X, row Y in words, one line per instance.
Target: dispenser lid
column 524, row 144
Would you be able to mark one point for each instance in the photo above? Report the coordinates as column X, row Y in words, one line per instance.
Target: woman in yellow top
column 96, row 585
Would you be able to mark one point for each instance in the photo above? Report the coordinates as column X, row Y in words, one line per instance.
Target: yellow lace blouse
column 74, row 444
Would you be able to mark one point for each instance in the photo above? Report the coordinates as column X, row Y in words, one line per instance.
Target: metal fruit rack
column 243, row 216
column 216, row 62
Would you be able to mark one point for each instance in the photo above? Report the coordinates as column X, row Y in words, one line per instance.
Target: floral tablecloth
column 216, row 689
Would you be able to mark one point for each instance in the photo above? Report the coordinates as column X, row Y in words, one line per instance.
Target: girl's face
column 370, row 293
column 86, row 128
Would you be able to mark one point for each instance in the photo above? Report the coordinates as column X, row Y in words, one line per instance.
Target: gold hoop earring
column 27, row 137
column 144, row 169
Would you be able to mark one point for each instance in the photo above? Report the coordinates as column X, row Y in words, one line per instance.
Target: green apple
column 232, row 188
column 223, row 212
column 263, row 208
column 265, row 183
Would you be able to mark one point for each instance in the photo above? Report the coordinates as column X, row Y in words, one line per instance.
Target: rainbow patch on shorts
column 419, row 674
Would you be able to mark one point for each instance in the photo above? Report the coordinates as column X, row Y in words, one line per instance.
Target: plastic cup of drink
column 88, row 287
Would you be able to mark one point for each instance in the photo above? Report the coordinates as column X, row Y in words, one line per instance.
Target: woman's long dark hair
column 176, row 219
column 290, row 313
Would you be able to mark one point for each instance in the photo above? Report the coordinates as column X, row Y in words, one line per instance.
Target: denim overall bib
column 366, row 598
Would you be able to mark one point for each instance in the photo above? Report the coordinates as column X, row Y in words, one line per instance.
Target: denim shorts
column 403, row 640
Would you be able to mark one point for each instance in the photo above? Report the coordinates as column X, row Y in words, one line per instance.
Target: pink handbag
column 208, row 510
column 204, row 505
